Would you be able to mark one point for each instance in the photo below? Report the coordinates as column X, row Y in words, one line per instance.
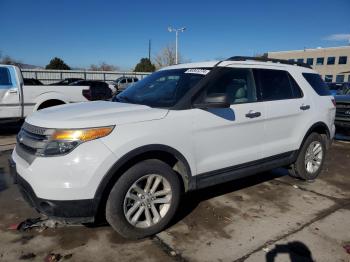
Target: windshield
column 162, row 88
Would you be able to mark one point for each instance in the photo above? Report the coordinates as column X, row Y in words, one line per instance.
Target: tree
column 57, row 63
column 145, row 65
column 264, row 55
column 166, row 57
column 104, row 67
column 7, row 60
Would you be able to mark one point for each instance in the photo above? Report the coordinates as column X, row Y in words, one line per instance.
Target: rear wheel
column 143, row 200
column 310, row 159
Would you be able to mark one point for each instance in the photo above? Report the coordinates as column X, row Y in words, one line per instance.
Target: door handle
column 305, row 107
column 13, row 91
column 253, row 114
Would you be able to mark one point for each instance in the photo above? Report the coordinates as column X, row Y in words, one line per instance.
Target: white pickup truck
column 18, row 100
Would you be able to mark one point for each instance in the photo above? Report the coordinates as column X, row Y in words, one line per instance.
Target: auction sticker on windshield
column 197, row 71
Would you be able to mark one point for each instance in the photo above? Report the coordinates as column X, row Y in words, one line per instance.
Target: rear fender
column 49, row 96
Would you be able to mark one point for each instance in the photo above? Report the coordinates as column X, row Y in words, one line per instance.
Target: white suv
column 182, row 128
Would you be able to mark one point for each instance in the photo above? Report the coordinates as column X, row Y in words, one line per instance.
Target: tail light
column 334, row 103
column 87, row 94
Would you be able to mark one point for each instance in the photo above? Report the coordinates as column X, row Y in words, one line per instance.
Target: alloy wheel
column 147, row 201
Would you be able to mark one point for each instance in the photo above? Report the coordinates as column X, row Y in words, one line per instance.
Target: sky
column 84, row 32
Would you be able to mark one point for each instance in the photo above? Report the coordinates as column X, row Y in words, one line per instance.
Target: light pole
column 182, row 29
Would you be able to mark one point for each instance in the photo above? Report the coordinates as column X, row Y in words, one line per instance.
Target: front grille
column 343, row 110
column 33, row 139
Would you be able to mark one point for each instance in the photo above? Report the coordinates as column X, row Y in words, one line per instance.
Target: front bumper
column 69, row 211
column 73, row 176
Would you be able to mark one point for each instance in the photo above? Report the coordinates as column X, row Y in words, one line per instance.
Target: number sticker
column 198, row 71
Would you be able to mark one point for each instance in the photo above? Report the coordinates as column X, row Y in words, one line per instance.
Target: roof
column 311, row 49
column 247, row 63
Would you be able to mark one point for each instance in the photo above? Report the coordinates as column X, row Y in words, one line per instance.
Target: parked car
column 66, row 81
column 98, row 90
column 342, row 117
column 19, row 99
column 32, row 82
column 342, row 88
column 123, row 82
column 113, row 86
column 182, row 128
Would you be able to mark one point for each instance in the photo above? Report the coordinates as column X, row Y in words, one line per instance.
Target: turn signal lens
column 82, row 135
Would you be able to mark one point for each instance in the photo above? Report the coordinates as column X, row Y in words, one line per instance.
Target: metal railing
column 52, row 76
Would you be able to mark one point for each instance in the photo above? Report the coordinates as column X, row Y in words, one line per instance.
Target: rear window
column 317, row 84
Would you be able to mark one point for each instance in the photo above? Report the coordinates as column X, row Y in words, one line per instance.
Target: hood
column 94, row 114
column 342, row 98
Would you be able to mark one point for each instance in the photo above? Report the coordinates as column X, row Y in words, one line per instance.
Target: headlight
column 64, row 141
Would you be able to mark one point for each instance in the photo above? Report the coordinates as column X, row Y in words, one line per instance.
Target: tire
column 123, row 198
column 313, row 143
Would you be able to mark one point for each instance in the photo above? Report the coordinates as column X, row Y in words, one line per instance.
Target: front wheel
column 143, row 200
column 310, row 159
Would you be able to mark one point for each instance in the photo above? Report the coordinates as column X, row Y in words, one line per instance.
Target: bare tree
column 7, row 60
column 166, row 57
column 104, row 67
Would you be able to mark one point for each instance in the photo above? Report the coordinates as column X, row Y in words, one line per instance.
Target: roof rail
column 265, row 59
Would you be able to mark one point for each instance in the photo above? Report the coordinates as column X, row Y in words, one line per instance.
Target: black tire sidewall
column 300, row 163
column 115, row 203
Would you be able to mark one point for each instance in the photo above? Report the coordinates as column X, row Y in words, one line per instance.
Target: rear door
column 287, row 110
column 228, row 137
column 10, row 106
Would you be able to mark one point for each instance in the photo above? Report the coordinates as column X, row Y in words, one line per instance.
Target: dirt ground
column 266, row 217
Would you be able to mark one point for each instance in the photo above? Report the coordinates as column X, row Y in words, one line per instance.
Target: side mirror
column 217, row 100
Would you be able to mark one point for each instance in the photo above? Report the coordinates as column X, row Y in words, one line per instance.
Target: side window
column 331, row 60
column 129, row 80
column 343, row 60
column 123, row 81
column 5, row 77
column 297, row 93
column 274, row 84
column 339, row 78
column 317, row 83
column 310, row 61
column 328, row 78
column 319, row 60
column 237, row 83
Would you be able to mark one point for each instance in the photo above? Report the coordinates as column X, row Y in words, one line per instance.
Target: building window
column 320, row 61
column 343, row 60
column 300, row 60
column 331, row 60
column 339, row 78
column 291, row 60
column 348, row 78
column 310, row 61
column 328, row 78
